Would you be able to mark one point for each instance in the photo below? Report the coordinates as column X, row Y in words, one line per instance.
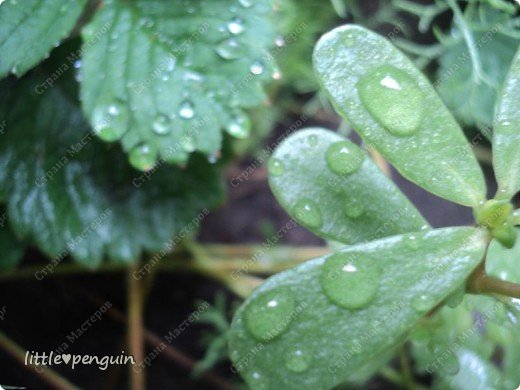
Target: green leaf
column 167, row 76
column 396, row 110
column 315, row 325
column 506, row 134
column 11, row 248
column 354, row 200
column 30, row 29
column 69, row 193
column 468, row 85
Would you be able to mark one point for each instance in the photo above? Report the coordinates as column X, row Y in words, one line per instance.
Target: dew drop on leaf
column 353, row 208
column 276, row 167
column 344, row 157
column 308, row 213
column 456, row 297
column 186, row 110
column 142, row 157
column 350, row 281
column 393, row 99
column 423, row 303
column 270, row 314
column 235, row 26
column 257, row 68
column 239, row 127
column 110, row 121
column 246, row 3
column 297, row 359
column 161, row 125
column 312, row 140
column 258, row 381
column 411, row 242
column 229, row 49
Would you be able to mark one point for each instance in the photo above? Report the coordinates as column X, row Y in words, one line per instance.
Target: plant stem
column 407, row 370
column 480, row 283
column 392, row 375
column 135, row 328
column 48, row 375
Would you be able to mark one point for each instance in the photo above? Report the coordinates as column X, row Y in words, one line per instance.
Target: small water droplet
column 297, row 359
column 246, row 3
column 258, row 381
column 344, row 157
column 350, row 281
column 213, row 157
column 161, row 125
column 229, row 49
column 393, row 98
column 257, row 68
column 234, row 355
column 187, row 143
column 411, row 242
column 110, row 121
column 312, row 140
column 276, row 167
column 240, row 126
column 279, row 41
column 353, row 208
column 142, row 157
column 186, row 110
column 308, row 213
column 236, row 26
column 423, row 303
column 277, row 75
column 270, row 314
column 349, row 40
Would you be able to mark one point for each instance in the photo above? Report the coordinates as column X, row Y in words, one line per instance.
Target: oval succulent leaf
column 330, row 185
column 395, row 109
column 166, row 78
column 316, row 325
column 506, row 134
column 30, row 29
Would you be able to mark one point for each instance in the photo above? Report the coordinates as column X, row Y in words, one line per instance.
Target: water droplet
column 423, row 303
column 349, row 40
column 213, row 157
column 297, row 359
column 186, row 110
column 187, row 143
column 393, row 98
column 353, row 208
column 257, row 380
column 312, row 140
column 349, row 280
column 161, row 125
column 276, row 167
column 270, row 314
column 257, row 68
column 277, row 75
column 236, row 26
column 142, row 157
column 229, row 49
column 344, row 157
column 240, row 126
column 279, row 41
column 411, row 242
column 110, row 121
column 508, row 127
column 308, row 213
column 456, row 297
column 234, row 355
column 246, row 3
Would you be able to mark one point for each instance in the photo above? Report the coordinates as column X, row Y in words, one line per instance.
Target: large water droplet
column 229, row 49
column 344, row 157
column 142, row 157
column 257, row 68
column 186, row 110
column 353, row 208
column 246, row 3
column 161, row 125
column 276, row 167
column 308, row 213
column 270, row 314
column 350, row 280
column 236, row 26
column 110, row 121
column 297, row 359
column 239, row 127
column 393, row 98
column 423, row 303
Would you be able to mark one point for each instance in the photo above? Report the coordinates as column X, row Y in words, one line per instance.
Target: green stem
column 135, row 328
column 407, row 370
column 49, row 376
column 392, row 375
column 480, row 283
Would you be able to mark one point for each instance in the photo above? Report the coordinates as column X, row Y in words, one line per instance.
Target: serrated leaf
column 395, row 109
column 470, row 92
column 506, row 134
column 69, row 193
column 355, row 203
column 291, row 334
column 158, row 68
column 30, row 29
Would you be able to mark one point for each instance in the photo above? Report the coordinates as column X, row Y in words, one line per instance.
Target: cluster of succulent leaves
column 110, row 145
column 341, row 317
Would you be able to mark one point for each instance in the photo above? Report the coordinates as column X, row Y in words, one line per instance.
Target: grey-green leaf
column 315, row 325
column 30, row 29
column 506, row 134
column 331, row 186
column 395, row 109
column 165, row 78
